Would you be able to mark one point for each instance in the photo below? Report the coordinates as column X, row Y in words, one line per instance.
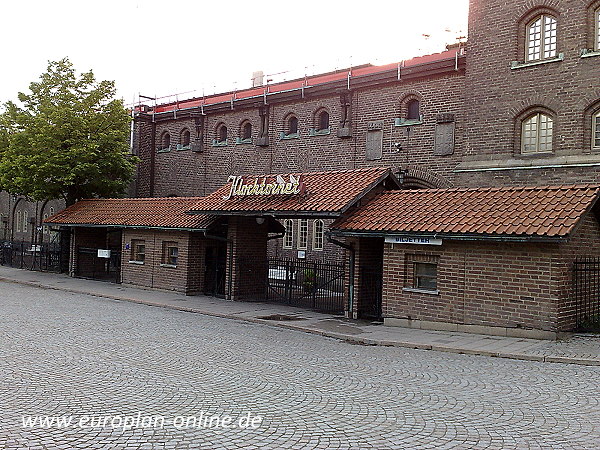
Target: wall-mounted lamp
column 260, row 220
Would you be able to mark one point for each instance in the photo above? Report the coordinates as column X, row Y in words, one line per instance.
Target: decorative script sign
column 241, row 187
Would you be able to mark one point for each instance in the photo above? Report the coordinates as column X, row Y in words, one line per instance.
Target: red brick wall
column 247, row 267
column 187, row 173
column 490, row 284
column 153, row 273
column 584, row 243
column 496, row 95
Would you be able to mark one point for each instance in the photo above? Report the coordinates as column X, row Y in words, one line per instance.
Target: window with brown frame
column 425, row 276
column 292, row 125
column 247, row 131
column 170, row 253
column 323, row 122
column 138, row 250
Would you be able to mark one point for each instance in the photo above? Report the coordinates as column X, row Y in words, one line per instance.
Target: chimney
column 258, row 78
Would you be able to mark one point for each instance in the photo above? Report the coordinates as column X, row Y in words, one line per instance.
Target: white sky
column 160, row 48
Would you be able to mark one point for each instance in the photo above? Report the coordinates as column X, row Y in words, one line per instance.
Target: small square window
column 170, row 253
column 425, row 276
column 138, row 250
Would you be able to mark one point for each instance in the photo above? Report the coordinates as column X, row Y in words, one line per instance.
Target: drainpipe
column 152, row 157
column 352, row 262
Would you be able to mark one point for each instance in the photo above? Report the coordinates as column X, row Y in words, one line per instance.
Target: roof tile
column 519, row 211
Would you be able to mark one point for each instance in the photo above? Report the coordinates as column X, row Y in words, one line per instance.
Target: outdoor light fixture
column 260, row 220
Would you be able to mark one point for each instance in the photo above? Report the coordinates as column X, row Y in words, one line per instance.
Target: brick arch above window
column 291, row 126
column 245, row 132
column 410, row 106
column 593, row 26
column 221, row 134
column 185, row 138
column 592, row 126
column 538, row 34
column 321, row 122
column 164, row 142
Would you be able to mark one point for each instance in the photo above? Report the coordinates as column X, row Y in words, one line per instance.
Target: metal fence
column 27, row 255
column 90, row 265
column 305, row 284
column 586, row 280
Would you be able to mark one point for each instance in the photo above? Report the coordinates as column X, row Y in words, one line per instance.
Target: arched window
column 323, row 121
column 25, row 221
column 292, row 125
column 222, row 134
column 288, row 238
column 541, row 38
column 165, row 141
column 19, row 221
column 536, row 134
column 45, row 227
column 247, row 131
column 185, row 138
column 413, row 110
column 303, row 234
column 596, row 131
column 318, row 234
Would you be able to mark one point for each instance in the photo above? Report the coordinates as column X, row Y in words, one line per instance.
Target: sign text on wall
column 240, row 187
column 412, row 239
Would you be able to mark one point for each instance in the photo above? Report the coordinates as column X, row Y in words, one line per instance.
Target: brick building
column 519, row 105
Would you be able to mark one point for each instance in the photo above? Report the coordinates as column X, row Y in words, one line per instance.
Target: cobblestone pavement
column 64, row 354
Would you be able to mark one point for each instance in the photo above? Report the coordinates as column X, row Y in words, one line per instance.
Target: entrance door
column 214, row 275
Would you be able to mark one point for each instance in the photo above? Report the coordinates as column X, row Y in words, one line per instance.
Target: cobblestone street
column 64, row 354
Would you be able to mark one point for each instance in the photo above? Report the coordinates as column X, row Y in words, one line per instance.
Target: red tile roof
column 549, row 211
column 134, row 212
column 326, row 194
column 309, row 81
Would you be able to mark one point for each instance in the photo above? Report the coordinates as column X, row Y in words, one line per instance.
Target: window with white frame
column 596, row 131
column 25, row 220
column 536, row 134
column 318, row 234
column 541, row 38
column 288, row 238
column 597, row 30
column 45, row 229
column 19, row 220
column 303, row 234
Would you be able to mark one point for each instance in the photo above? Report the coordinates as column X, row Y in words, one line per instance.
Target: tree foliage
column 67, row 138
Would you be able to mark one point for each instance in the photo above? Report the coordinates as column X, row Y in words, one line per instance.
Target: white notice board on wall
column 412, row 239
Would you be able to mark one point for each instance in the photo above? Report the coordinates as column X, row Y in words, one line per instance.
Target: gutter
column 453, row 237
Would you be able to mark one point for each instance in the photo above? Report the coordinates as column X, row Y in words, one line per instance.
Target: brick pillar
column 247, row 258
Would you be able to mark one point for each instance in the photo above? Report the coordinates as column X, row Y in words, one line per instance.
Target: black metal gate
column 214, row 275
column 90, row 265
column 370, row 293
column 25, row 255
column 586, row 287
column 306, row 284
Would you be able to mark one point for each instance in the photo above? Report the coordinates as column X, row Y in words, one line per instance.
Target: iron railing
column 26, row 255
column 586, row 287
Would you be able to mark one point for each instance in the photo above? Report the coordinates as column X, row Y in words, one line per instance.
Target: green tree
column 67, row 138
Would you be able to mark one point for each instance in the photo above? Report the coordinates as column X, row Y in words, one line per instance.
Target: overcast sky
column 160, row 48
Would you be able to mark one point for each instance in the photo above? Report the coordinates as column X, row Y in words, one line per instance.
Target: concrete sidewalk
column 578, row 349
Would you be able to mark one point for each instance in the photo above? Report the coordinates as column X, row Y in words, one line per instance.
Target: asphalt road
column 123, row 375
